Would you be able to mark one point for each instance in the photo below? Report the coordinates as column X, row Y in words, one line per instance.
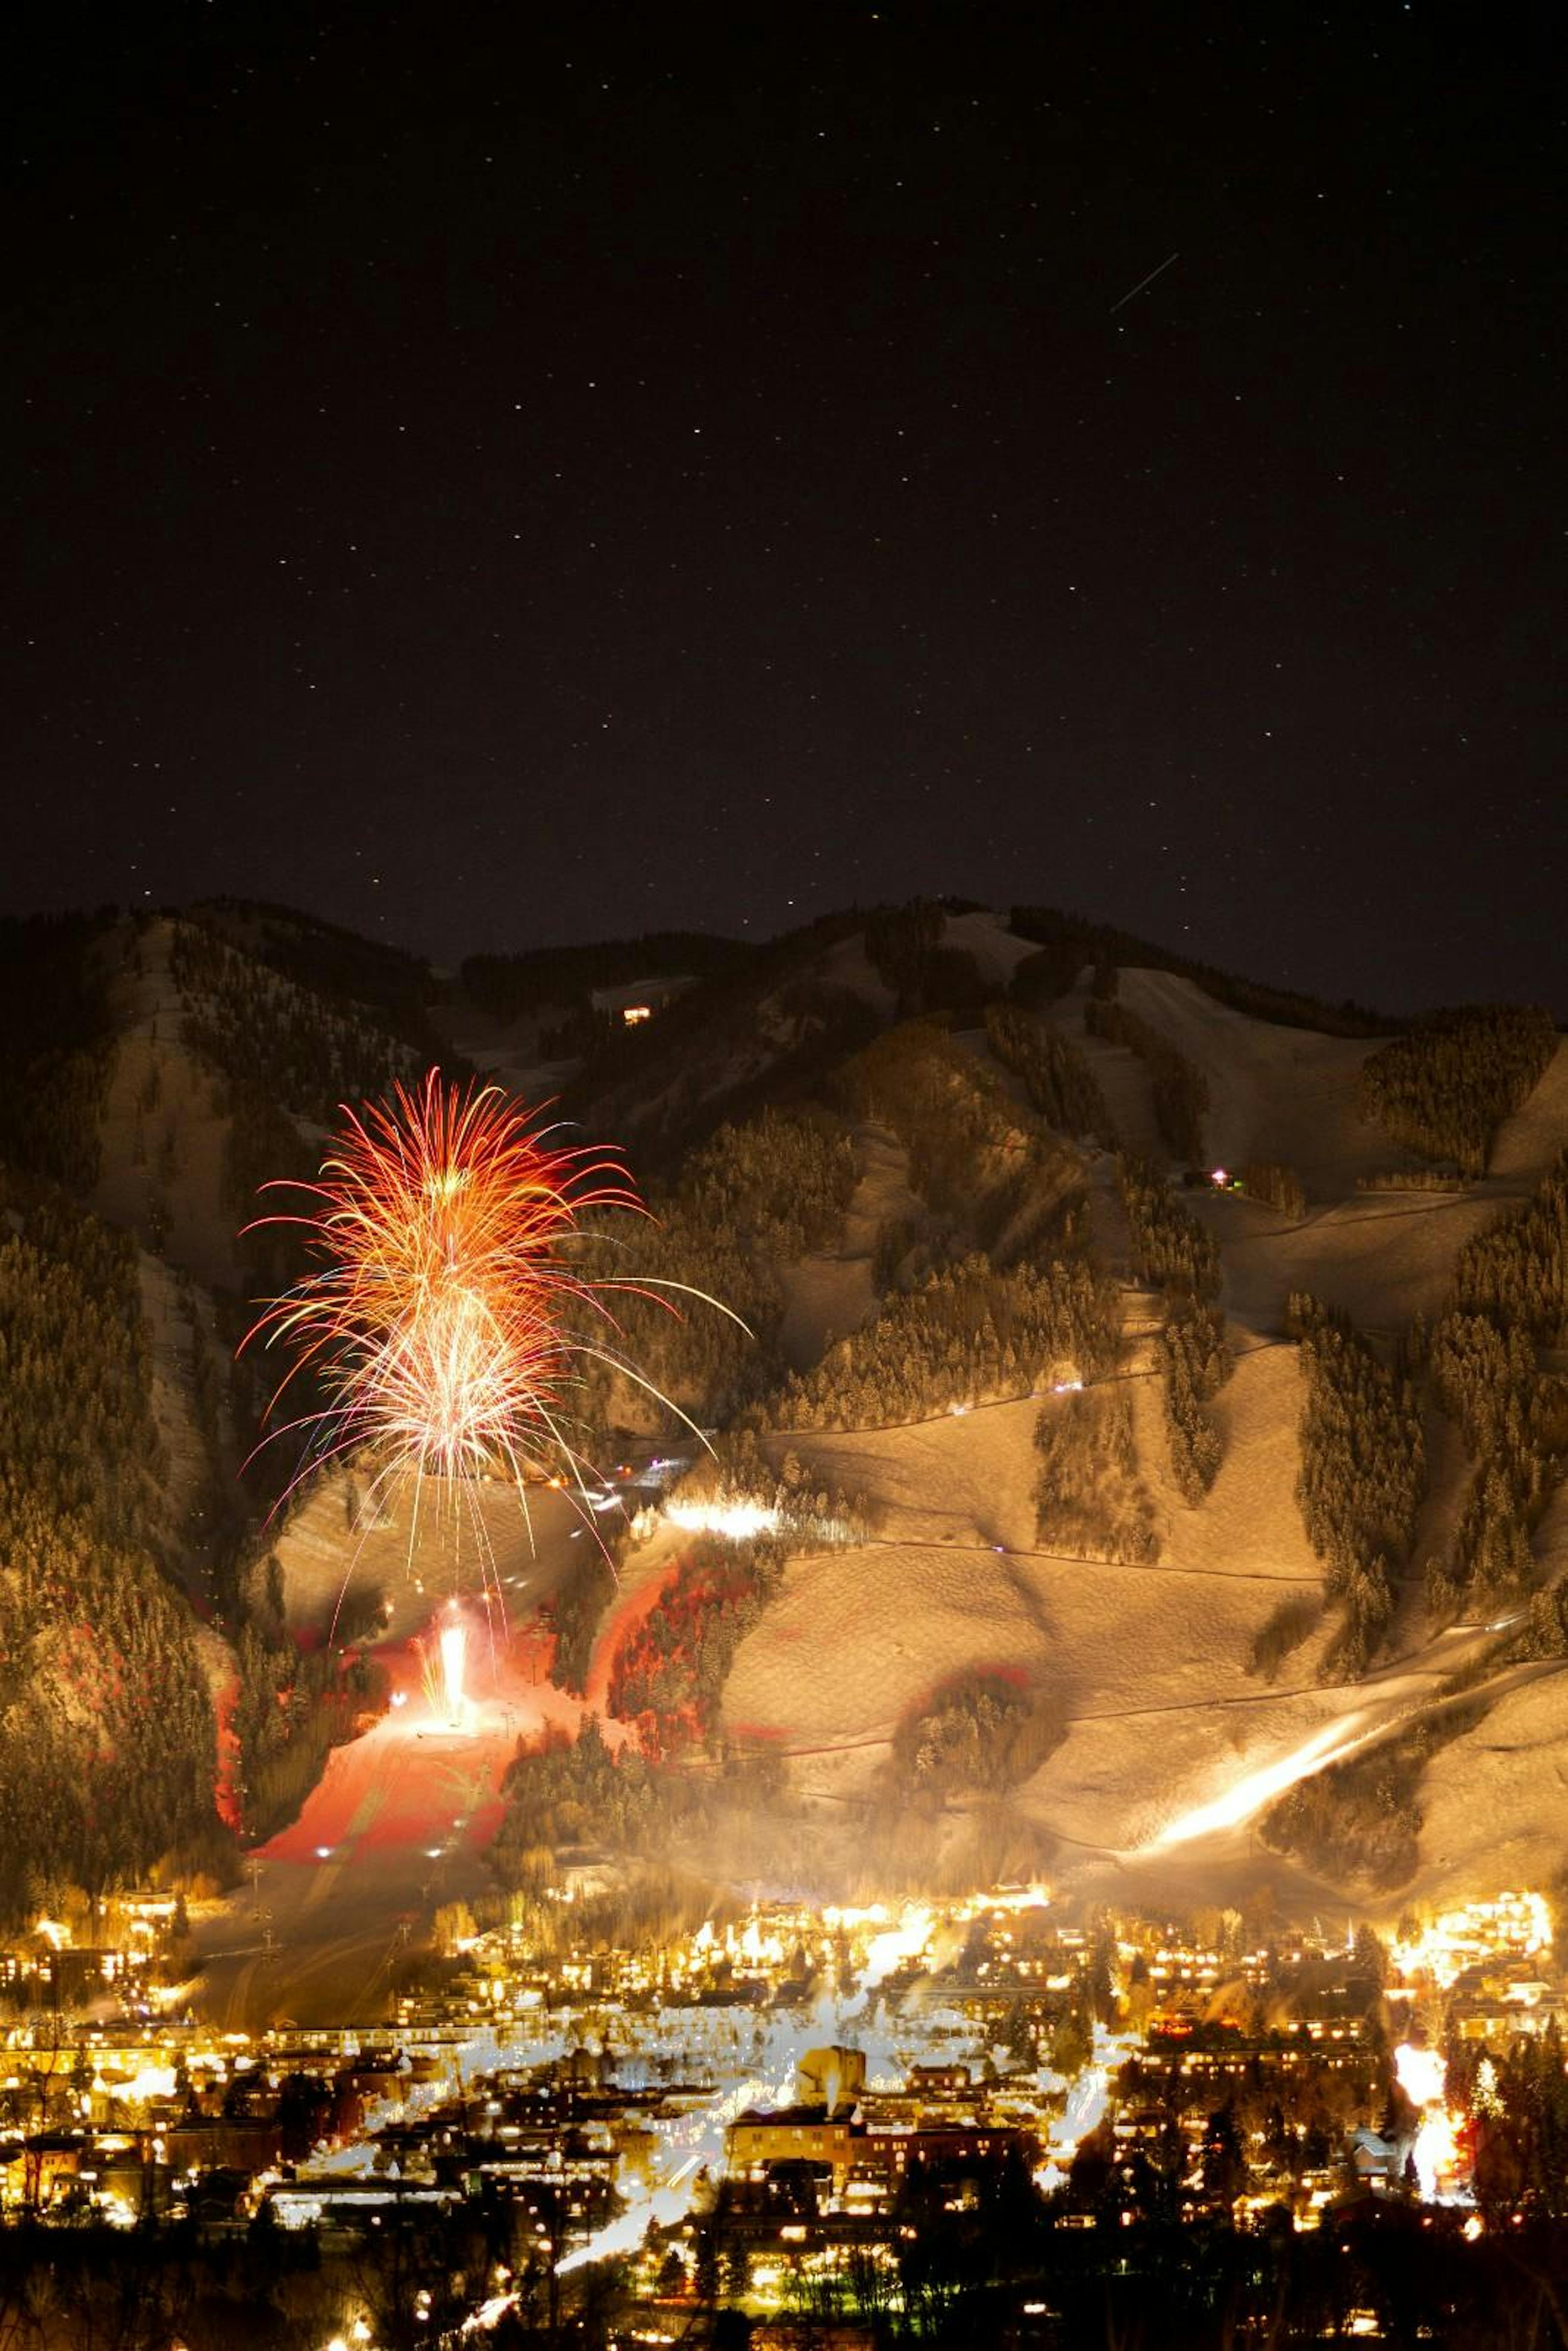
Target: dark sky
column 495, row 486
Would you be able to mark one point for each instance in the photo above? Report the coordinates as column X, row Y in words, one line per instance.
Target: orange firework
column 448, row 1301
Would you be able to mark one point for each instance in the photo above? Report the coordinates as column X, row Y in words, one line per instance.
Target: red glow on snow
column 413, row 1782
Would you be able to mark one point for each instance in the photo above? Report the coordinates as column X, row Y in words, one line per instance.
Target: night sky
column 494, row 487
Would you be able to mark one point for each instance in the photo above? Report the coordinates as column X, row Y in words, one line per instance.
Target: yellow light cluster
column 1511, row 1925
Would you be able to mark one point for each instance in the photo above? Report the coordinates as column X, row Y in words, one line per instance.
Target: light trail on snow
column 1251, row 1793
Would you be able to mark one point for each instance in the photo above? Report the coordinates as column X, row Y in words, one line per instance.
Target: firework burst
column 449, row 1310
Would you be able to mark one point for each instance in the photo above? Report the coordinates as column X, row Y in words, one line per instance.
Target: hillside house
column 637, row 1000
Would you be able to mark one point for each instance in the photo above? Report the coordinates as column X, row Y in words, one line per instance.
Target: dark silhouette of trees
column 1073, row 943
column 559, row 978
column 905, row 946
column 388, row 983
column 1521, row 2133
column 56, row 1047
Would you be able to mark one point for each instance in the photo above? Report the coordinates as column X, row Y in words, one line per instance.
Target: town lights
column 1422, row 2074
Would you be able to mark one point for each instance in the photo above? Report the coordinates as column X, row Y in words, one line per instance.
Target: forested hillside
column 106, row 1726
column 110, row 1767
column 1446, row 1088
column 1065, row 1441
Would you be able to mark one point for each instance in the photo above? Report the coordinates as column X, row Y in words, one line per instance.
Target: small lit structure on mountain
column 638, row 1001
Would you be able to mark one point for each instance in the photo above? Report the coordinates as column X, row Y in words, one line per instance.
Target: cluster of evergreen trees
column 333, row 963
column 672, row 1670
column 1360, row 1820
column 107, row 1737
column 1515, row 1426
column 1518, row 2101
column 1545, row 1629
column 561, row 1791
column 276, row 1048
column 1089, row 1500
column 574, row 1608
column 1056, row 1076
column 747, row 1202
column 1194, row 1356
column 973, row 1155
column 1509, row 1295
column 1363, row 1472
column 75, row 1365
column 1516, row 1270
column 967, row 1334
column 1180, row 1088
column 809, row 1513
column 1170, row 1249
column 1445, row 1089
column 982, row 1735
column 669, row 1675
column 783, row 1180
column 1277, row 1186
column 291, row 1707
column 904, row 946
column 1412, row 1179
column 565, row 1792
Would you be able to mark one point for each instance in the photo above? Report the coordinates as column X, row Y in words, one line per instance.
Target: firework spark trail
column 449, row 1312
